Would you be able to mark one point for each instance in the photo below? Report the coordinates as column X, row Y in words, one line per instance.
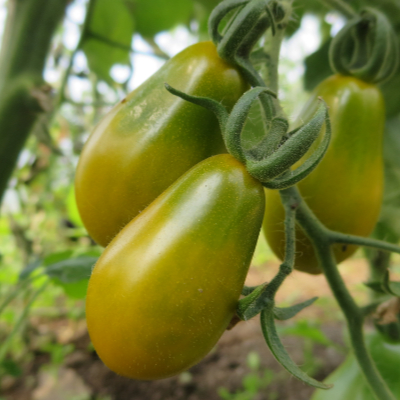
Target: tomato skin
column 349, row 383
column 345, row 190
column 167, row 286
column 151, row 138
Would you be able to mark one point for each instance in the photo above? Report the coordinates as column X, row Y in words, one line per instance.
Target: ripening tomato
column 167, row 286
column 345, row 189
column 151, row 138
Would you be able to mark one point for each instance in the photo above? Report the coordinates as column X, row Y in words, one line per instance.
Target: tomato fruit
column 349, row 383
column 166, row 287
column 151, row 138
column 345, row 189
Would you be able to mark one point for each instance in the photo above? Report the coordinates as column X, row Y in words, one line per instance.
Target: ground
column 240, row 363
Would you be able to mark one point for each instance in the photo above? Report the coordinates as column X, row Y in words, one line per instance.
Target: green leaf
column 283, row 314
column 317, row 67
column 26, row 272
column 74, row 290
column 395, row 288
column 248, row 289
column 253, row 303
column 392, row 288
column 280, row 353
column 56, row 257
column 153, row 16
column 253, row 130
column 72, row 270
column 375, row 286
column 108, row 37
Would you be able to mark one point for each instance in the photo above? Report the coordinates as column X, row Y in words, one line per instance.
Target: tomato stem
column 322, row 239
column 29, row 29
column 342, row 238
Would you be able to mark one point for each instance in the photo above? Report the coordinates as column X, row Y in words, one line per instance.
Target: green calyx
column 243, row 31
column 366, row 48
column 270, row 160
column 248, row 25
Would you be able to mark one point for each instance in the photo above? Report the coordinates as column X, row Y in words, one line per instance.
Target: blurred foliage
column 253, row 383
column 107, row 36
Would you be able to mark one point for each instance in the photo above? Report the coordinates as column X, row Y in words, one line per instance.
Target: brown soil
column 225, row 366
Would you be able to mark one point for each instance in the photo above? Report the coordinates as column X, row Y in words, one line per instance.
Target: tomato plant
column 345, row 189
column 168, row 284
column 151, row 138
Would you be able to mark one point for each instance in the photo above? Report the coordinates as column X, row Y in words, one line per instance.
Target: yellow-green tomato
column 167, row 286
column 345, row 189
column 151, row 138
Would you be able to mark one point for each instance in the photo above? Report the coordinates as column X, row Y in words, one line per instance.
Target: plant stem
column 29, row 30
column 272, row 48
column 290, row 246
column 7, row 342
column 337, row 237
column 85, row 29
column 19, row 287
column 321, row 239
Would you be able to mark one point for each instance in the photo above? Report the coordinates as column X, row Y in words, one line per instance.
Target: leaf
column 109, row 37
column 56, row 257
column 283, row 314
column 74, row 290
column 72, row 270
column 26, row 272
column 253, row 129
column 248, row 289
column 317, row 67
column 375, row 286
column 154, row 16
column 395, row 288
column 253, row 303
column 392, row 288
column 280, row 353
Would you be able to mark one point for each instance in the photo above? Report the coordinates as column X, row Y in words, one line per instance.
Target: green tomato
column 350, row 384
column 151, row 138
column 167, row 286
column 345, row 189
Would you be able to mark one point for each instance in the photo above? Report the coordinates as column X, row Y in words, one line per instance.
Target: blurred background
column 100, row 51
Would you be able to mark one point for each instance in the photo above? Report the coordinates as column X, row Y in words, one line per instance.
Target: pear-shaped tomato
column 151, row 138
column 345, row 189
column 349, row 383
column 167, row 286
